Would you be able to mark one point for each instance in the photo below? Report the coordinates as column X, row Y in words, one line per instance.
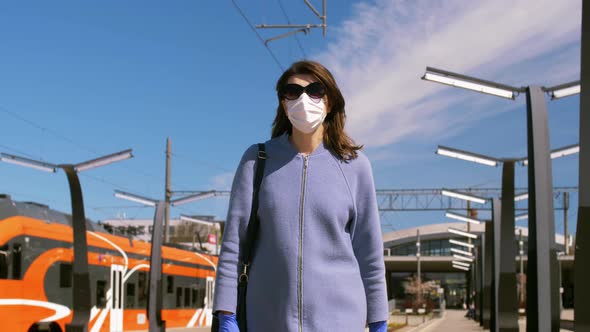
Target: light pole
column 154, row 307
column 491, row 255
column 507, row 301
column 582, row 248
column 503, row 237
column 542, row 305
column 81, row 278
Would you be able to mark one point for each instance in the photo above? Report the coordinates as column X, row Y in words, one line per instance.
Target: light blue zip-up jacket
column 318, row 261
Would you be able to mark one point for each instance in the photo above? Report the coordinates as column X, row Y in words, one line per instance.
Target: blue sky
column 81, row 80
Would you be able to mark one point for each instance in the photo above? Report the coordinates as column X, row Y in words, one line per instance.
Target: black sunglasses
column 315, row 90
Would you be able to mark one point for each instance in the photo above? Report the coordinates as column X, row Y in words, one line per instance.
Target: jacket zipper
column 300, row 285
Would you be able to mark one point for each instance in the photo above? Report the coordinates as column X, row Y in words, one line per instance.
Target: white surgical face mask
column 305, row 114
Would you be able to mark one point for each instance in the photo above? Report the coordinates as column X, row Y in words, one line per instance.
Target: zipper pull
column 306, row 160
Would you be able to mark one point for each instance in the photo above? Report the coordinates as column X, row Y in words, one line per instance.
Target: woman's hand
column 378, row 326
column 227, row 322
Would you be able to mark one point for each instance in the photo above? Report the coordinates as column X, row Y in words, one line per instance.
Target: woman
column 318, row 262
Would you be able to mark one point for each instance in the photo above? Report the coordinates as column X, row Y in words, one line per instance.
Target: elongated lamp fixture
column 199, row 221
column 471, row 83
column 561, row 152
column 465, row 155
column 462, row 263
column 21, row 161
column 521, row 197
column 109, row 159
column 135, row 198
column 564, row 90
column 463, row 258
column 460, row 243
column 460, row 267
column 462, row 233
column 192, row 198
column 463, row 196
column 463, row 218
column 462, row 252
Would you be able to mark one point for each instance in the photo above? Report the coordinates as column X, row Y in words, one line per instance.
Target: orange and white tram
column 36, row 259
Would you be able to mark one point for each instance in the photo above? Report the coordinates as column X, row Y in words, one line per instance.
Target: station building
column 401, row 263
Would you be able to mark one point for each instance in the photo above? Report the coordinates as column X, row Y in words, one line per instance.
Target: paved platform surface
column 454, row 320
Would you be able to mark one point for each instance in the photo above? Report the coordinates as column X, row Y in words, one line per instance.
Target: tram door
column 117, row 298
column 209, row 286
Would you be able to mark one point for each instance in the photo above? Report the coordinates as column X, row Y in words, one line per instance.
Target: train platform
column 451, row 320
column 454, row 320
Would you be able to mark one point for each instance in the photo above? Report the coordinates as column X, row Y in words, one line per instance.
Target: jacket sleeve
column 367, row 243
column 238, row 215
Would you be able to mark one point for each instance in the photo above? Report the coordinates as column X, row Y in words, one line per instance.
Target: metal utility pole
column 168, row 192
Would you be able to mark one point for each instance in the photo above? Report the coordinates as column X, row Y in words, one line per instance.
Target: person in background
column 318, row 261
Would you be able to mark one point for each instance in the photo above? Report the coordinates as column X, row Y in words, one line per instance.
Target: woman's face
column 303, row 80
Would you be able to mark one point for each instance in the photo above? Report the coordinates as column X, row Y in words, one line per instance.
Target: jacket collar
column 284, row 140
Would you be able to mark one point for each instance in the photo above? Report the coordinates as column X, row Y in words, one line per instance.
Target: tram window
column 194, row 298
column 101, row 299
column 170, row 284
column 178, row 297
column 142, row 290
column 4, row 262
column 187, row 297
column 130, row 300
column 16, row 260
column 65, row 275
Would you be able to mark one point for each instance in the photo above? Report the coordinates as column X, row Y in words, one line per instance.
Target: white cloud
column 382, row 51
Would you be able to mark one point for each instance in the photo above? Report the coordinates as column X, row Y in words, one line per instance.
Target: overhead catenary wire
column 20, row 152
column 56, row 134
column 201, row 162
column 47, row 130
column 257, row 34
column 289, row 22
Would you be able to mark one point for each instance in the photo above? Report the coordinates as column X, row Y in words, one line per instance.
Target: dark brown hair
column 335, row 138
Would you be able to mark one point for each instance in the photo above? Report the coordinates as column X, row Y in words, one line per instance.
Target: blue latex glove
column 228, row 323
column 378, row 326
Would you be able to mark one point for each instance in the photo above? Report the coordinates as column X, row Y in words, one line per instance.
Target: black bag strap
column 254, row 222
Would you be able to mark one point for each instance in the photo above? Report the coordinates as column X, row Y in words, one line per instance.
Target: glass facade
column 448, row 286
column 452, row 293
column 437, row 247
